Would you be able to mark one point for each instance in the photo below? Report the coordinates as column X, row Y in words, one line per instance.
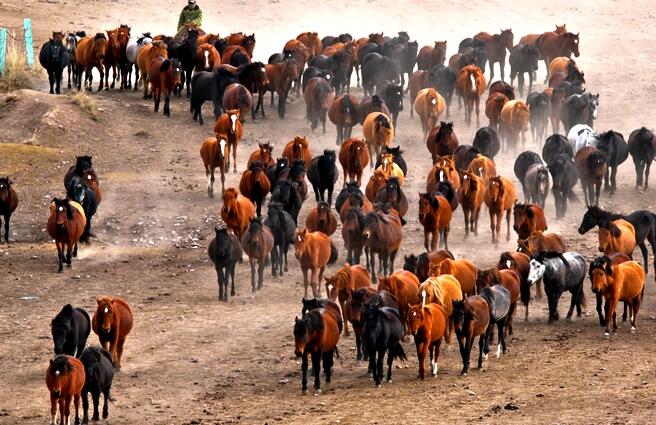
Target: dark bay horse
column 383, row 331
column 255, row 185
column 496, row 46
column 70, row 330
column 282, row 226
column 225, row 252
column 66, row 225
column 8, row 203
column 257, row 242
column 99, row 371
column 383, row 234
column 54, row 58
column 343, row 112
column 65, row 378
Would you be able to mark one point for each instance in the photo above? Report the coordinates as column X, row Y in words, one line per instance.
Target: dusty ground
column 191, row 359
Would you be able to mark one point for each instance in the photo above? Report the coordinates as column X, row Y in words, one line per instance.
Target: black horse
column 383, row 332
column 329, row 40
column 540, row 107
column 523, row 162
column 486, row 140
column 443, row 79
column 612, row 144
column 209, row 86
column 312, row 72
column 54, row 58
column 564, row 176
column 392, row 94
column 642, row 147
column 286, row 193
column 337, row 66
column 99, row 372
column 70, row 330
column 376, row 69
column 274, row 171
column 523, row 59
column 225, row 251
column 343, row 195
column 323, row 174
column 556, row 145
column 8, row 203
column 78, row 191
column 397, row 153
column 643, row 221
column 282, row 227
column 407, row 58
column 579, row 109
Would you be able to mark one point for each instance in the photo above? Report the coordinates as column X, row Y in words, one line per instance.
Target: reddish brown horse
column 483, row 167
column 428, row 324
column 315, row 251
column 354, row 241
column 463, row 270
column 8, row 202
column 510, row 280
column 318, row 95
column 255, row 185
column 471, row 318
column 257, row 242
column 237, row 211
column 377, row 181
column 243, row 40
column 429, row 105
column 515, row 117
column 230, row 124
column 496, row 46
column 89, row 54
column 428, row 56
column 66, row 225
column 383, row 234
column 343, row 112
column 298, row 149
column 344, row 283
column 280, row 77
column 207, row 57
column 435, row 215
column 528, row 219
column 262, row 154
column 213, row 154
column 417, row 81
column 145, row 56
column 539, row 242
column 592, row 167
column 500, row 197
column 112, row 322
column 552, row 45
column 403, row 285
column 312, row 42
column 443, row 170
column 353, row 157
column 531, row 39
column 65, row 379
column 237, row 97
column 520, row 263
column 164, row 76
column 299, row 53
column 471, row 85
column 230, row 56
column 442, row 140
column 493, row 106
column 321, row 219
column 471, row 195
column 112, row 57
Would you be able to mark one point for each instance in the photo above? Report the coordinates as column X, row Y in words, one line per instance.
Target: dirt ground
column 192, row 360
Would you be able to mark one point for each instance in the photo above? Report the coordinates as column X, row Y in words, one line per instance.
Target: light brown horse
column 298, row 149
column 483, row 167
column 112, row 322
column 496, row 46
column 344, row 283
column 243, row 40
column 403, row 285
column 377, row 181
column 321, row 219
column 378, row 131
column 417, row 81
column 493, row 106
column 531, row 39
column 429, row 105
column 112, row 57
column 552, row 45
column 230, row 124
column 428, row 324
column 263, row 154
column 65, row 225
column 315, row 251
column 65, row 379
column 527, row 219
column 213, row 154
column 389, row 168
column 145, row 56
column 257, row 243
column 89, row 54
column 500, row 196
column 353, row 157
column 237, row 211
column 435, row 216
column 428, row 56
column 617, row 236
column 471, row 195
column 255, row 185
column 515, row 117
column 539, row 242
column 463, row 270
column 207, row 57
column 471, row 85
column 164, row 76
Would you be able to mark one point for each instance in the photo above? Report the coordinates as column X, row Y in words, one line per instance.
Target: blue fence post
column 3, row 49
column 27, row 24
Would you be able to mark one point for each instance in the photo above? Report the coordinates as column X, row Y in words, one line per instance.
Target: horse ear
column 609, row 268
column 52, row 362
column 296, row 319
column 615, row 231
column 99, row 300
column 529, row 212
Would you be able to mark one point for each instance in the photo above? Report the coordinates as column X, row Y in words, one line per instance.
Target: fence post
column 27, row 24
column 3, row 49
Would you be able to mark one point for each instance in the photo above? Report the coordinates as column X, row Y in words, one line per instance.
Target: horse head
column 222, row 240
column 572, row 41
column 506, row 38
column 59, row 368
column 601, row 269
column 5, row 187
column 100, row 45
column 63, row 211
column 105, row 313
column 300, row 239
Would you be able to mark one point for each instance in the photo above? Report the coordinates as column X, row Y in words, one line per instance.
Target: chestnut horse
column 255, row 185
column 493, row 106
column 471, row 85
column 89, row 54
column 444, row 170
column 521, row 264
column 539, row 242
column 428, row 57
column 315, row 251
column 500, row 196
column 321, row 219
column 531, row 39
column 66, row 225
column 112, row 57
column 471, row 318
column 344, row 283
column 435, row 216
column 429, row 105
column 441, row 140
column 263, row 154
column 515, row 117
column 552, row 45
column 496, row 46
column 280, row 77
column 207, row 57
column 617, row 236
column 383, row 235
column 144, row 57
column 318, row 95
column 428, row 324
column 213, row 154
column 353, row 157
column 236, row 96
column 257, row 242
column 378, row 131
column 343, row 112
column 483, row 167
column 507, row 278
column 403, row 285
column 65, row 379
column 243, row 40
column 354, row 241
column 471, row 195
column 528, row 219
column 237, row 211
column 112, row 322
column 312, row 42
column 230, row 125
column 298, row 149
column 164, row 76
column 463, row 270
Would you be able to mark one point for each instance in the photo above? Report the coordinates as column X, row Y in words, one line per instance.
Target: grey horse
column 560, row 273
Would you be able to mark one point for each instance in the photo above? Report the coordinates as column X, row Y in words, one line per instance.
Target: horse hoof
column 463, row 373
column 317, row 391
column 378, row 385
column 633, row 329
column 607, row 335
column 304, row 392
column 389, row 381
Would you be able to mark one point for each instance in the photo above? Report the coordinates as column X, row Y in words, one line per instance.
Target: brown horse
column 262, row 154
column 428, row 324
column 520, row 263
column 552, row 45
column 230, row 124
column 428, row 57
column 243, row 40
column 315, row 251
column 443, row 290
column 531, row 39
column 318, row 95
column 237, row 97
column 496, row 46
column 255, row 185
column 312, row 42
column 112, row 322
column 300, row 53
column 237, row 211
column 378, row 131
column 493, row 106
column 343, row 112
column 125, row 67
column 417, row 81
column 317, row 334
column 89, row 54
column 207, row 57
column 617, row 236
column 112, row 57
column 321, row 219
column 515, row 117
column 528, row 219
column 280, row 77
column 65, row 379
column 618, row 282
column 507, row 278
column 592, row 167
column 471, row 86
column 483, row 167
column 213, row 154
column 344, row 283
column 354, row 241
column 429, row 105
column 164, row 76
column 443, row 170
column 471, row 318
column 435, row 216
column 500, row 196
column 441, row 140
column 390, row 168
column 539, row 242
column 144, row 57
column 377, row 181
column 66, row 225
column 298, row 149
column 403, row 285
column 257, row 243
column 463, row 270
column 234, row 51
column 383, row 235
column 8, row 202
column 471, row 195
column 353, row 157
column 556, row 98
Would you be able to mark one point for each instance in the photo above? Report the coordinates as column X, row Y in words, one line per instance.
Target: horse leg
column 260, row 273
column 304, row 370
column 316, row 370
column 327, row 358
column 314, row 282
column 501, row 346
column 647, row 174
column 613, row 181
column 390, row 361
column 167, row 108
column 102, row 75
column 475, row 221
column 372, row 263
column 508, row 212
column 156, row 98
column 466, row 213
column 58, row 77
column 493, row 226
column 305, row 281
column 274, row 260
column 95, row 396
column 251, row 260
column 421, row 356
column 70, row 253
column 234, row 157
column 610, row 315
column 466, row 353
column 597, row 192
column 600, row 311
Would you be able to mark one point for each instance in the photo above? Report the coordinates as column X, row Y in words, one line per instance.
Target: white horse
column 581, row 136
column 136, row 43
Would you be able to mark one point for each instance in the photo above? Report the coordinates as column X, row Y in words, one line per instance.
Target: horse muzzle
column 298, row 353
column 107, row 330
column 56, row 392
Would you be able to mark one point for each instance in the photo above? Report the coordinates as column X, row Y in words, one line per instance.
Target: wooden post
column 3, row 49
column 27, row 25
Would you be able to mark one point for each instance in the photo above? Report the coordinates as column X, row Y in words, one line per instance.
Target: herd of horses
column 435, row 295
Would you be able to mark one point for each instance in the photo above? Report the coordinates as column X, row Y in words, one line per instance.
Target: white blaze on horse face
column 106, row 310
column 508, row 263
column 442, row 179
column 222, row 144
column 207, row 59
column 480, row 171
column 60, row 209
column 433, row 101
column 89, row 177
column 57, row 373
column 330, row 289
column 423, row 298
column 594, row 113
column 464, row 177
column 233, row 118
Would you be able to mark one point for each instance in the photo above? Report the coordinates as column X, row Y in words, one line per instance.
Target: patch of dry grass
column 17, row 75
column 87, row 104
column 23, row 157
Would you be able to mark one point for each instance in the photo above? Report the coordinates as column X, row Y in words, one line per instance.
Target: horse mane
column 595, row 156
column 60, row 364
column 346, row 102
column 99, row 36
column 60, row 202
column 547, row 255
column 604, row 263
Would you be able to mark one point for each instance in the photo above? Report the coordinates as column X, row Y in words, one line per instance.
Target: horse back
column 632, row 281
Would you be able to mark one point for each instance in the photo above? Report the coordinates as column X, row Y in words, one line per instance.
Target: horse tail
column 397, row 352
column 582, row 301
column 243, row 96
column 333, row 253
column 336, row 350
column 525, row 293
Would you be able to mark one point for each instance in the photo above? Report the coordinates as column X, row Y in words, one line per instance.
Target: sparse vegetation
column 87, row 104
column 17, row 75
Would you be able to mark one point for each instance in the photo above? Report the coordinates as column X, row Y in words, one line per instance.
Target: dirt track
column 191, row 359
